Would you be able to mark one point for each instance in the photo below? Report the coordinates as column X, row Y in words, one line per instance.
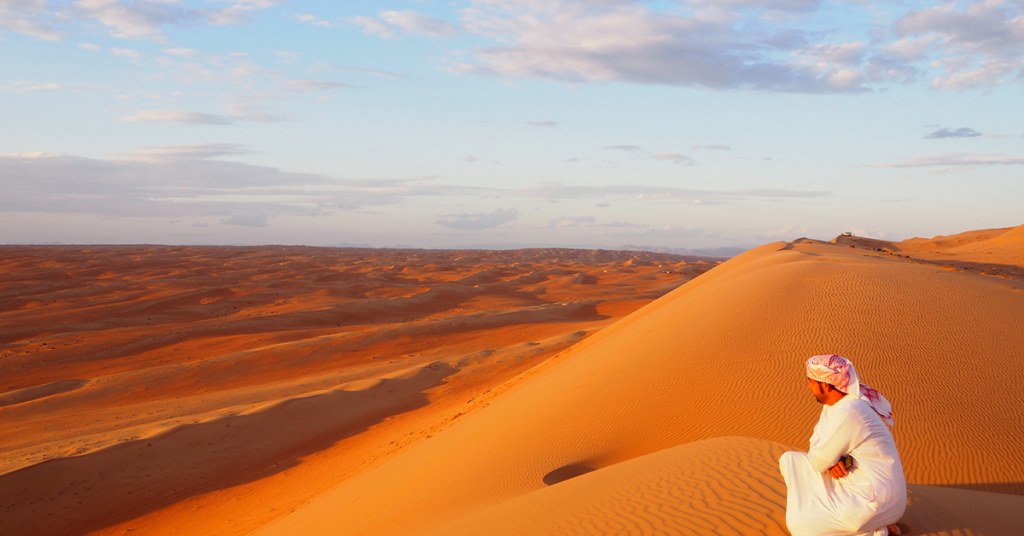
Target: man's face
column 818, row 390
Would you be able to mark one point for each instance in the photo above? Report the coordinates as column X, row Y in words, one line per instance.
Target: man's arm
column 834, row 443
column 823, row 465
column 839, row 470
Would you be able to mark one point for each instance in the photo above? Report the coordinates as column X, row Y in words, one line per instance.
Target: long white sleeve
column 835, row 437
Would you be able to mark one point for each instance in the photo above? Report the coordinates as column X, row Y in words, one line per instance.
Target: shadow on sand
column 76, row 495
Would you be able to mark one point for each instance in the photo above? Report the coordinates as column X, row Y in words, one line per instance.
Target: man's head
column 824, row 393
column 831, row 377
column 831, row 369
column 828, row 377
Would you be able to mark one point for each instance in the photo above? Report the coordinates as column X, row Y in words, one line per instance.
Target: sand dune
column 726, row 486
column 722, row 356
column 162, row 387
column 998, row 252
column 543, row 392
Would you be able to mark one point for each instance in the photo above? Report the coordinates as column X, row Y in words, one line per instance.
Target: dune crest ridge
column 722, row 356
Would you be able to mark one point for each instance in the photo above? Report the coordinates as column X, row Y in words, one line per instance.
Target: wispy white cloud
column 673, row 231
column 979, row 43
column 183, row 52
column 134, row 20
column 715, row 147
column 910, row 48
column 640, row 192
column 30, row 17
column 675, row 158
column 862, row 231
column 164, row 182
column 215, row 69
column 586, row 42
column 953, row 160
column 789, row 231
column 178, row 116
column 963, row 132
column 542, row 123
column 252, row 108
column 145, row 20
column 392, row 24
column 478, row 221
column 40, row 87
column 619, row 224
column 182, row 181
column 126, row 53
column 239, row 12
column 123, row 19
column 309, row 18
column 758, row 45
column 375, row 72
column 843, row 54
column 249, row 219
column 567, row 221
column 194, row 180
column 163, row 153
column 298, row 86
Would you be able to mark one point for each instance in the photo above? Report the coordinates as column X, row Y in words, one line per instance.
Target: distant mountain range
column 723, row 252
column 704, row 252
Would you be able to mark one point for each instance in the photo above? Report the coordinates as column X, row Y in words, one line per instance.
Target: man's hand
column 838, row 470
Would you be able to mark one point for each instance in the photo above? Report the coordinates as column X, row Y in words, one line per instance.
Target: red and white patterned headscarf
column 839, row 372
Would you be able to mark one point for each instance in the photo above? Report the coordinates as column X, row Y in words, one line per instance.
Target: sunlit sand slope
column 990, row 245
column 997, row 252
column 722, row 486
column 716, row 486
column 723, row 356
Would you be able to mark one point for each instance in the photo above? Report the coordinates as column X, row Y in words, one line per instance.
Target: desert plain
column 307, row 391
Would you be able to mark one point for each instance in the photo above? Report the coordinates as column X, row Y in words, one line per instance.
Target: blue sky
column 496, row 123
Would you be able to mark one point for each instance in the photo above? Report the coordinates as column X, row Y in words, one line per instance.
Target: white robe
column 871, row 496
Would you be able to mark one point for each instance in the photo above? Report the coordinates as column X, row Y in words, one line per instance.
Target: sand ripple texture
column 717, row 486
column 723, row 356
column 724, row 487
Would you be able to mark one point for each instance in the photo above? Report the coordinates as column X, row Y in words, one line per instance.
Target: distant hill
column 709, row 254
column 349, row 245
column 704, row 252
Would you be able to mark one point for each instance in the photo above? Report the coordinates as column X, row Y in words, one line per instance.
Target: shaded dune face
column 171, row 384
column 723, row 356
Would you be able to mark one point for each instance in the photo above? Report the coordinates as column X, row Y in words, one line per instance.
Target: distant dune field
column 208, row 390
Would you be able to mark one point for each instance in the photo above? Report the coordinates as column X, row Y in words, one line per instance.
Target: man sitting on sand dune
column 851, row 481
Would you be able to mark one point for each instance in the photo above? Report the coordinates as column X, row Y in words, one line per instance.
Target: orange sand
column 209, row 390
column 668, row 421
column 726, row 485
column 723, row 356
